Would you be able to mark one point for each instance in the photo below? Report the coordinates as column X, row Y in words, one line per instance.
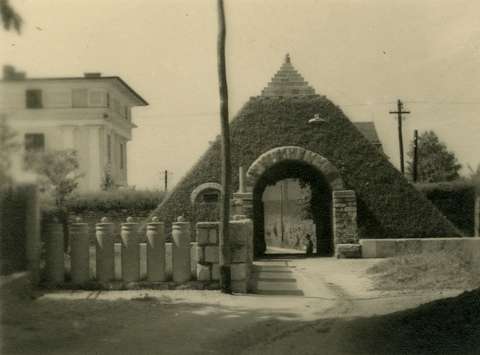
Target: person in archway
column 309, row 244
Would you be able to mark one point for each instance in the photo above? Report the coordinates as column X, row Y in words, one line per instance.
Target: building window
column 79, row 98
column 122, row 155
column 96, row 98
column 108, row 99
column 109, row 148
column 34, row 98
column 210, row 197
column 34, row 142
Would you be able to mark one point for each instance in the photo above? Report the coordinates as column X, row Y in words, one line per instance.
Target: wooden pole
column 166, row 181
column 477, row 215
column 399, row 114
column 415, row 156
column 225, row 253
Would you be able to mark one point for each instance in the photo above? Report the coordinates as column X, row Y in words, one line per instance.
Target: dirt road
column 205, row 322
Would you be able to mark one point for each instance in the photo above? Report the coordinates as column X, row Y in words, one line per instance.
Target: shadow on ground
column 156, row 325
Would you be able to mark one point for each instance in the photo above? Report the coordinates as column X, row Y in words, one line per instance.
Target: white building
column 90, row 114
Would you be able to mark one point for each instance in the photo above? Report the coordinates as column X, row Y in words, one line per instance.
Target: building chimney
column 9, row 73
column 92, row 75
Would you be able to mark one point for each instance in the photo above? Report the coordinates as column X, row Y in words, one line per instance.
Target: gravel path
column 204, row 322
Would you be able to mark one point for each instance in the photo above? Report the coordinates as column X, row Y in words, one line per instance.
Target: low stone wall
column 385, row 248
column 154, row 264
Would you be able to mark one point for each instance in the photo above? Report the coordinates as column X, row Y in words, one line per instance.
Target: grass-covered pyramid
column 388, row 205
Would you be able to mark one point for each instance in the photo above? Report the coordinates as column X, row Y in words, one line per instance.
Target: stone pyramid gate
column 289, row 131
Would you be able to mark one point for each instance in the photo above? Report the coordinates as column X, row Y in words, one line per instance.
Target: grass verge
column 439, row 270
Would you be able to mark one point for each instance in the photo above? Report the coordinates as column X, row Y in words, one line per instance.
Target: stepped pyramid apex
column 288, row 82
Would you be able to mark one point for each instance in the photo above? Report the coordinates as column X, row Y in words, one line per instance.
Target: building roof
column 288, row 82
column 10, row 75
column 368, row 130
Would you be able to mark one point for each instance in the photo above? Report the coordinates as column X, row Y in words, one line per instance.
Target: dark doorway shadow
column 319, row 206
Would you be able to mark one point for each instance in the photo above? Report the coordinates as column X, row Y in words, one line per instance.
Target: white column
column 68, row 134
column 93, row 168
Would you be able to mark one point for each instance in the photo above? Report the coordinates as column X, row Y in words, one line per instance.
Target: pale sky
column 364, row 55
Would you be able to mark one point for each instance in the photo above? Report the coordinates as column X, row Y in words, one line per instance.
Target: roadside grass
column 436, row 270
column 449, row 326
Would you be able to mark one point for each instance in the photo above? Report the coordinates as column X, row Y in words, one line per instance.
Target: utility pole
column 399, row 114
column 224, row 242
column 164, row 176
column 166, row 180
column 415, row 156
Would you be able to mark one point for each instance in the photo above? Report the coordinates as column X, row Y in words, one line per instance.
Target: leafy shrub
column 456, row 200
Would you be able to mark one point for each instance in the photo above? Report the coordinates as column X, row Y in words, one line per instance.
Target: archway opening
column 282, row 219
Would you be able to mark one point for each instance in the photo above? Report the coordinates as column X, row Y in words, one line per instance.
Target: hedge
column 116, row 200
column 456, row 200
column 13, row 234
column 390, row 207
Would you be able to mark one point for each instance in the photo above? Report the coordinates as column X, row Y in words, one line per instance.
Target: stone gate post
column 345, row 232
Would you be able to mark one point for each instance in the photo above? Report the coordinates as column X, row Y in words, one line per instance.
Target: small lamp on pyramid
column 317, row 120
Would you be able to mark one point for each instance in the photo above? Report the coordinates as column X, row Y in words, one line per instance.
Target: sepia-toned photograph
column 251, row 177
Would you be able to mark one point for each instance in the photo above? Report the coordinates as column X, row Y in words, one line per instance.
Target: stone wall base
column 385, row 248
column 350, row 251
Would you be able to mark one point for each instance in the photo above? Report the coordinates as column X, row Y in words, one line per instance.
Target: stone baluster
column 130, row 251
column 80, row 252
column 55, row 262
column 105, row 252
column 156, row 251
column 181, row 251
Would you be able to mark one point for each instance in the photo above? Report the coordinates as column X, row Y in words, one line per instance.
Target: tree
column 8, row 146
column 475, row 180
column 10, row 18
column 57, row 173
column 435, row 162
column 57, row 178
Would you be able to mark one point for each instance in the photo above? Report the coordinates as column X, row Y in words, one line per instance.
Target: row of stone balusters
column 105, row 252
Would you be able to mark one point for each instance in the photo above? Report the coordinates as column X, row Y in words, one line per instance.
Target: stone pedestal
column 105, row 253
column 156, row 251
column 55, row 262
column 80, row 253
column 181, row 252
column 130, row 252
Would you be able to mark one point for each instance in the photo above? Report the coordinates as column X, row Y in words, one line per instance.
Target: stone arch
column 289, row 153
column 206, row 186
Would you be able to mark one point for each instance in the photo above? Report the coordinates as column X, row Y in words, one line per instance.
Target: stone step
column 275, row 285
column 274, row 277
column 280, row 293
